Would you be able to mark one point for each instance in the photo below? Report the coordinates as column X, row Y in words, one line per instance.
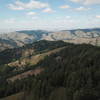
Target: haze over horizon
column 49, row 14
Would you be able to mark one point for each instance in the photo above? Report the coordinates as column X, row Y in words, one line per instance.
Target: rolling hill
column 20, row 38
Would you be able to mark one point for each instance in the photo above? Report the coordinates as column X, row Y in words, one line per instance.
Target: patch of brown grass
column 17, row 96
column 25, row 74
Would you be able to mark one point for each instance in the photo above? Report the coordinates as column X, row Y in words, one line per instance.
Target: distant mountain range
column 20, row 38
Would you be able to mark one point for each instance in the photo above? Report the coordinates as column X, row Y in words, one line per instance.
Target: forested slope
column 73, row 73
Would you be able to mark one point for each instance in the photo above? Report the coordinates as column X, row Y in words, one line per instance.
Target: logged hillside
column 33, row 59
column 28, row 50
column 71, row 73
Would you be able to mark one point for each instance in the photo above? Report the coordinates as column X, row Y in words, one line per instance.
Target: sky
column 49, row 14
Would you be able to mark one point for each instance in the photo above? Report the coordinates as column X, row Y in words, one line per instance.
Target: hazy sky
column 49, row 14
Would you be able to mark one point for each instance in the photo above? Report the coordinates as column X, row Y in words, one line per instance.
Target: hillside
column 28, row 50
column 17, row 96
column 6, row 44
column 14, row 40
column 21, row 38
column 33, row 53
column 33, row 59
column 73, row 73
column 66, row 72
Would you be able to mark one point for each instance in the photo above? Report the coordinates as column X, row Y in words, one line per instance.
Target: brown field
column 17, row 96
column 25, row 74
column 33, row 59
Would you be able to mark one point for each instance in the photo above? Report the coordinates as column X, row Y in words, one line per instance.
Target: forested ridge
column 73, row 73
column 9, row 55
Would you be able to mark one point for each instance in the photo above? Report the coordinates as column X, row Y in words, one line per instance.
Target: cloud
column 76, row 0
column 65, row 23
column 91, row 2
column 64, row 6
column 32, row 4
column 98, row 16
column 48, row 10
column 68, row 17
column 13, row 7
column 82, row 8
column 87, row 2
column 35, row 17
column 10, row 21
column 31, row 13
